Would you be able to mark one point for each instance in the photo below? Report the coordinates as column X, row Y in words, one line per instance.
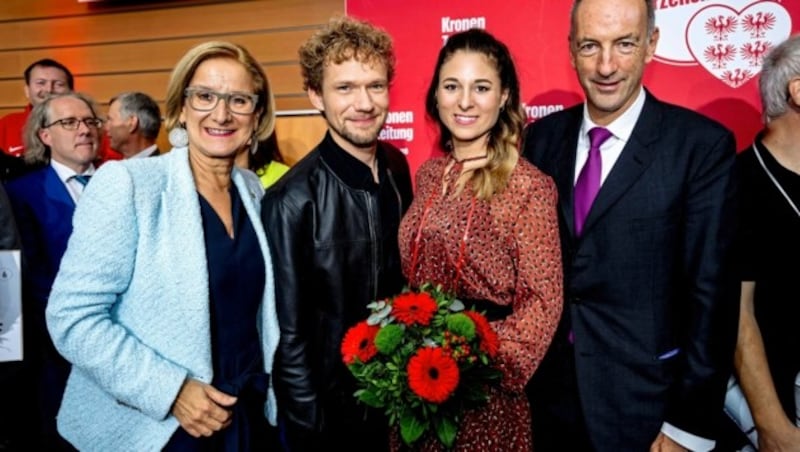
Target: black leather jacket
column 333, row 236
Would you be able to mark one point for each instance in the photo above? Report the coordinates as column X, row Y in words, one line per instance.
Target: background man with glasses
column 63, row 134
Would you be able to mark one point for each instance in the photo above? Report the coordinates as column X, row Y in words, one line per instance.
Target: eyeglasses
column 74, row 123
column 201, row 99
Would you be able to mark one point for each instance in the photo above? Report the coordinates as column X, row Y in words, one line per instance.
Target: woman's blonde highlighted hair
column 186, row 67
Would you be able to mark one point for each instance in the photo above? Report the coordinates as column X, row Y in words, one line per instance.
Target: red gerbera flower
column 432, row 374
column 490, row 343
column 410, row 308
column 359, row 342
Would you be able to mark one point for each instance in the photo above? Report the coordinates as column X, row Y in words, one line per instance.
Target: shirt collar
column 65, row 173
column 144, row 152
column 622, row 127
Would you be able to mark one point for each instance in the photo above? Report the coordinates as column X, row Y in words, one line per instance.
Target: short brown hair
column 342, row 39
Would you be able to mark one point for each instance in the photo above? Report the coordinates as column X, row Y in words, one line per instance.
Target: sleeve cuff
column 692, row 442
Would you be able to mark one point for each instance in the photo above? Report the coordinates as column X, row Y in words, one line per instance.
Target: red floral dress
column 505, row 251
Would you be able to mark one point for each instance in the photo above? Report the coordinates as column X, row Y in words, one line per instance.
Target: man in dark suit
column 63, row 134
column 641, row 357
column 9, row 237
column 133, row 123
column 12, row 421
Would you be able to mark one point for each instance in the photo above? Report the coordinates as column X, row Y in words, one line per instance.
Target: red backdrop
column 708, row 56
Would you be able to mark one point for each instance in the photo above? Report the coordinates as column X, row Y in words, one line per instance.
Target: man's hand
column 201, row 409
column 664, row 443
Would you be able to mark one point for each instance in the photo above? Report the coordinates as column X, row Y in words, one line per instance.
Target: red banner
column 708, row 56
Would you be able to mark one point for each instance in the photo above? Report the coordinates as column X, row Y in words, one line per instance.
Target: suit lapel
column 56, row 191
column 638, row 153
column 564, row 173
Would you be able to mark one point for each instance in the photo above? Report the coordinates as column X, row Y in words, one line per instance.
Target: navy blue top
column 236, row 286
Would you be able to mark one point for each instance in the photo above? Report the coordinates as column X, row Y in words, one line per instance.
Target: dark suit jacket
column 13, row 378
column 9, row 237
column 43, row 209
column 649, row 294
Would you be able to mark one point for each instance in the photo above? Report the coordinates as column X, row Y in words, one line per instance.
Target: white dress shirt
column 67, row 176
column 621, row 130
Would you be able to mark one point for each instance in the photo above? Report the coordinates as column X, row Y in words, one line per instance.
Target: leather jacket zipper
column 373, row 244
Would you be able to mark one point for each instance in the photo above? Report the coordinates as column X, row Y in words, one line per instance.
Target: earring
column 178, row 137
column 253, row 145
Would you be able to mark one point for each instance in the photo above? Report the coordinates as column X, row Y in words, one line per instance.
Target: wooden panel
column 162, row 55
column 32, row 9
column 7, row 110
column 285, row 80
column 287, row 103
column 122, row 45
column 298, row 135
column 167, row 23
column 293, row 102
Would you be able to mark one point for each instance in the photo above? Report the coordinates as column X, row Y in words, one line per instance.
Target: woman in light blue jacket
column 164, row 302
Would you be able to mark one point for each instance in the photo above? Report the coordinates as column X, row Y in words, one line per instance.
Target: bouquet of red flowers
column 424, row 359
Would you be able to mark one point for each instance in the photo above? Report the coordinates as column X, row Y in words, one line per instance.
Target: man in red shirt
column 42, row 78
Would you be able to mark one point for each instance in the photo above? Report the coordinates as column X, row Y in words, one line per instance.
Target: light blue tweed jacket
column 130, row 305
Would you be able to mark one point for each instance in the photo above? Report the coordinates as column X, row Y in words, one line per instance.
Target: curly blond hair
column 341, row 39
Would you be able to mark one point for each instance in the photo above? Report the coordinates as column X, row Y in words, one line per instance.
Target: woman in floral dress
column 483, row 225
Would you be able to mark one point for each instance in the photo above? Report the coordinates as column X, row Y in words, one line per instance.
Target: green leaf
column 446, row 431
column 370, row 398
column 410, row 428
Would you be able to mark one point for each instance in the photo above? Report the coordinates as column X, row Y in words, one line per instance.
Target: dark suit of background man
column 646, row 341
column 12, row 377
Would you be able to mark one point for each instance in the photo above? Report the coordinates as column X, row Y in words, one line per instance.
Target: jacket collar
column 352, row 171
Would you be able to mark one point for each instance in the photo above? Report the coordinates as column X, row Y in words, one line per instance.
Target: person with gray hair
column 767, row 360
column 132, row 124
column 63, row 135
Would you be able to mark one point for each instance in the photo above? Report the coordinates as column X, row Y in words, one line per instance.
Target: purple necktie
column 588, row 183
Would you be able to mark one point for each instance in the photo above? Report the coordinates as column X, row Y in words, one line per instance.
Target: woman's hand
column 201, row 409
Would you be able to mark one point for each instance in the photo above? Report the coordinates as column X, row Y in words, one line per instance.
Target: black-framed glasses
column 74, row 123
column 202, row 99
